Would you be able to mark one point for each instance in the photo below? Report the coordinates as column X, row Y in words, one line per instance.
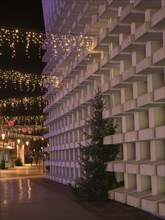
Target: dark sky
column 26, row 15
column 22, row 14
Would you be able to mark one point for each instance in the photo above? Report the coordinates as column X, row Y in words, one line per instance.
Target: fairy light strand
column 13, row 37
column 19, row 79
column 27, row 102
column 28, row 119
column 60, row 44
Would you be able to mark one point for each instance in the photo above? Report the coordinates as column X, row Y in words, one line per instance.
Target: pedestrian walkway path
column 26, row 195
column 22, row 172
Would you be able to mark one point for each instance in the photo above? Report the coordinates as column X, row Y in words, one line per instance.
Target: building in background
column 120, row 46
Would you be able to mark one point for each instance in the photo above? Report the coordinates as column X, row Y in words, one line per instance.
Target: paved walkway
column 26, row 195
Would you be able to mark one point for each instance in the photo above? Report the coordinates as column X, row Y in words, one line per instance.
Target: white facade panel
column 126, row 59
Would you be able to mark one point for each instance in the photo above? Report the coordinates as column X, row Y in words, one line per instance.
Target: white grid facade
column 127, row 61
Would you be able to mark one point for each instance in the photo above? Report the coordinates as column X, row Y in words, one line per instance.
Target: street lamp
column 3, row 138
column 27, row 143
column 18, row 141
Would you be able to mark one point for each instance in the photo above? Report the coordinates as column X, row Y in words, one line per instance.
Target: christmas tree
column 95, row 181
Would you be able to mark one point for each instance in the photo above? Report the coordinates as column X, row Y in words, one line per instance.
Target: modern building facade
column 127, row 60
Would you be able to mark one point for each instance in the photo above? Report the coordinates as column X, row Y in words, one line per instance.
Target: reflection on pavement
column 15, row 184
column 18, row 190
column 29, row 189
column 22, row 172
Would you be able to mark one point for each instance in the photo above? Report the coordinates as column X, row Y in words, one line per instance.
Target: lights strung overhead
column 28, row 119
column 24, row 126
column 21, row 129
column 19, row 79
column 11, row 40
column 51, row 81
column 27, row 102
column 13, row 37
column 25, row 136
column 32, row 132
column 29, row 80
column 60, row 44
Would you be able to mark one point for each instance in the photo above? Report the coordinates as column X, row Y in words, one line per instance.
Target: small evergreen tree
column 18, row 161
column 95, row 182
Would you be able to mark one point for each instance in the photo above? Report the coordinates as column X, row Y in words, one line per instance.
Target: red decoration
column 10, row 123
column 29, row 131
column 24, row 130
column 34, row 139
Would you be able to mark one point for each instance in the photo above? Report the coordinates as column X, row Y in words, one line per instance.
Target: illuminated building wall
column 126, row 59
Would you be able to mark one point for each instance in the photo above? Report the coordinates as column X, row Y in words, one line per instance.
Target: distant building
column 127, row 60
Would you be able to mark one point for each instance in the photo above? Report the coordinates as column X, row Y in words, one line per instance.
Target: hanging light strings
column 51, row 81
column 36, row 38
column 18, row 128
column 28, row 119
column 13, row 37
column 60, row 44
column 24, row 126
column 16, row 135
column 11, row 41
column 27, row 102
column 29, row 80
column 19, row 80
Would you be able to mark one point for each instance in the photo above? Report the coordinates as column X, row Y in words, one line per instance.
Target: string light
column 16, row 131
column 18, row 128
column 28, row 119
column 11, row 40
column 13, row 37
column 19, row 79
column 32, row 124
column 25, row 136
column 51, row 81
column 27, row 102
column 60, row 44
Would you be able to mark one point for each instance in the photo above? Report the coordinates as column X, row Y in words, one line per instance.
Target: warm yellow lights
column 29, row 119
column 34, row 128
column 3, row 136
column 20, row 79
column 51, row 81
column 13, row 37
column 31, row 123
column 27, row 102
column 60, row 44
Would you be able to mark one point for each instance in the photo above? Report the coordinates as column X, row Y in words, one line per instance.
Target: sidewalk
column 26, row 195
column 111, row 210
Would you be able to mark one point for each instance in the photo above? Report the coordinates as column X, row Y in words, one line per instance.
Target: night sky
column 25, row 15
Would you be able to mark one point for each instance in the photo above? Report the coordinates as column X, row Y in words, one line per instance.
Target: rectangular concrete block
column 150, row 203
column 121, row 195
column 162, row 208
column 134, row 199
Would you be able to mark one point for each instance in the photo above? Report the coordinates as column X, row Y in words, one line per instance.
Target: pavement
column 26, row 195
